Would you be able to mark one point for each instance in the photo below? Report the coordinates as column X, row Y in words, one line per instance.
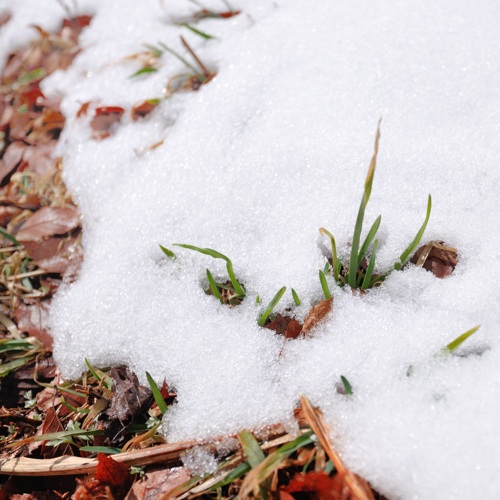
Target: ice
column 275, row 147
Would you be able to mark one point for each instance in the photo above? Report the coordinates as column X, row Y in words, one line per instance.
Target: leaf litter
column 42, row 222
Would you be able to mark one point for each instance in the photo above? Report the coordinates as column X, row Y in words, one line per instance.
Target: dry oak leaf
column 49, row 221
column 12, row 158
column 317, row 486
column 316, row 314
column 34, row 320
column 437, row 258
column 105, row 121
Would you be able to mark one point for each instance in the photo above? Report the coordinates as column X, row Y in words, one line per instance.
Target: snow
column 275, row 147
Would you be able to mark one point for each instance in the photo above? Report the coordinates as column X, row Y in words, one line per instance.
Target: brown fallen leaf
column 437, row 258
column 105, row 120
column 289, row 327
column 157, row 481
column 318, row 485
column 34, row 320
column 143, row 109
column 129, row 397
column 316, row 314
column 49, row 221
column 12, row 158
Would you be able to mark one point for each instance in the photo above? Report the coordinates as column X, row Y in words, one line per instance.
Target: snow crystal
column 275, row 147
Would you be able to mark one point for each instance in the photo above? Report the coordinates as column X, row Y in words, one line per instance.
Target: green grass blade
column 324, row 285
column 6, row 368
column 168, row 253
column 213, row 285
column 273, row 461
column 335, row 265
column 157, row 394
column 239, row 290
column 295, row 298
column 403, row 259
column 367, row 280
column 369, row 238
column 15, row 345
column 452, row 346
column 7, row 235
column 353, row 261
column 251, row 447
column 183, row 61
column 101, row 449
column 144, row 71
column 271, row 306
column 347, row 385
column 198, row 32
column 60, row 435
column 236, row 473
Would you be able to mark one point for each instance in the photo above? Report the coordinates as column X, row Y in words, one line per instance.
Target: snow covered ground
column 276, row 146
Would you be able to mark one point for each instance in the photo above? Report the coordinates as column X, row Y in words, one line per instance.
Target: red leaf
column 113, row 474
column 143, row 109
column 49, row 221
column 318, row 486
column 104, row 121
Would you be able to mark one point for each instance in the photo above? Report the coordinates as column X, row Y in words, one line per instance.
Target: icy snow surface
column 276, row 146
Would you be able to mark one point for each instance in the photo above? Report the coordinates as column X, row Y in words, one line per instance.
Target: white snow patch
column 276, row 146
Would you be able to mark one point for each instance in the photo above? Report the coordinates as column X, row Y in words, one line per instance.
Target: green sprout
column 157, row 394
column 347, row 386
column 295, row 298
column 455, row 344
column 231, row 292
column 324, row 285
column 262, row 320
column 358, row 274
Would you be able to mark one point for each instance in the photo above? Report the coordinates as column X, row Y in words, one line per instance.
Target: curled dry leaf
column 105, row 120
column 143, row 109
column 437, row 258
column 316, row 314
column 12, row 158
column 318, row 485
column 129, row 397
column 49, row 221
column 34, row 320
column 289, row 327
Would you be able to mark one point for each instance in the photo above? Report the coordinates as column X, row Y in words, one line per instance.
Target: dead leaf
column 113, row 474
column 143, row 109
column 289, row 327
column 12, row 158
column 316, row 314
column 34, row 320
column 105, row 120
column 129, row 397
column 319, row 486
column 437, row 258
column 157, row 482
column 7, row 214
column 49, row 221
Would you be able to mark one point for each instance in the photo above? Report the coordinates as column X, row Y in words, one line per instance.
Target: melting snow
column 276, row 146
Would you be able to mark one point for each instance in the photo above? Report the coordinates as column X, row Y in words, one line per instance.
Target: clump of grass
column 230, row 292
column 359, row 274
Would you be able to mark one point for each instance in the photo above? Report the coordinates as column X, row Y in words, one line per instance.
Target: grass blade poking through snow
column 168, row 253
column 198, row 32
column 347, row 385
column 157, row 394
column 271, row 306
column 452, row 346
column 369, row 238
column 409, row 250
column 353, row 261
column 295, row 298
column 240, row 291
column 324, row 285
column 213, row 285
column 335, row 262
column 367, row 280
